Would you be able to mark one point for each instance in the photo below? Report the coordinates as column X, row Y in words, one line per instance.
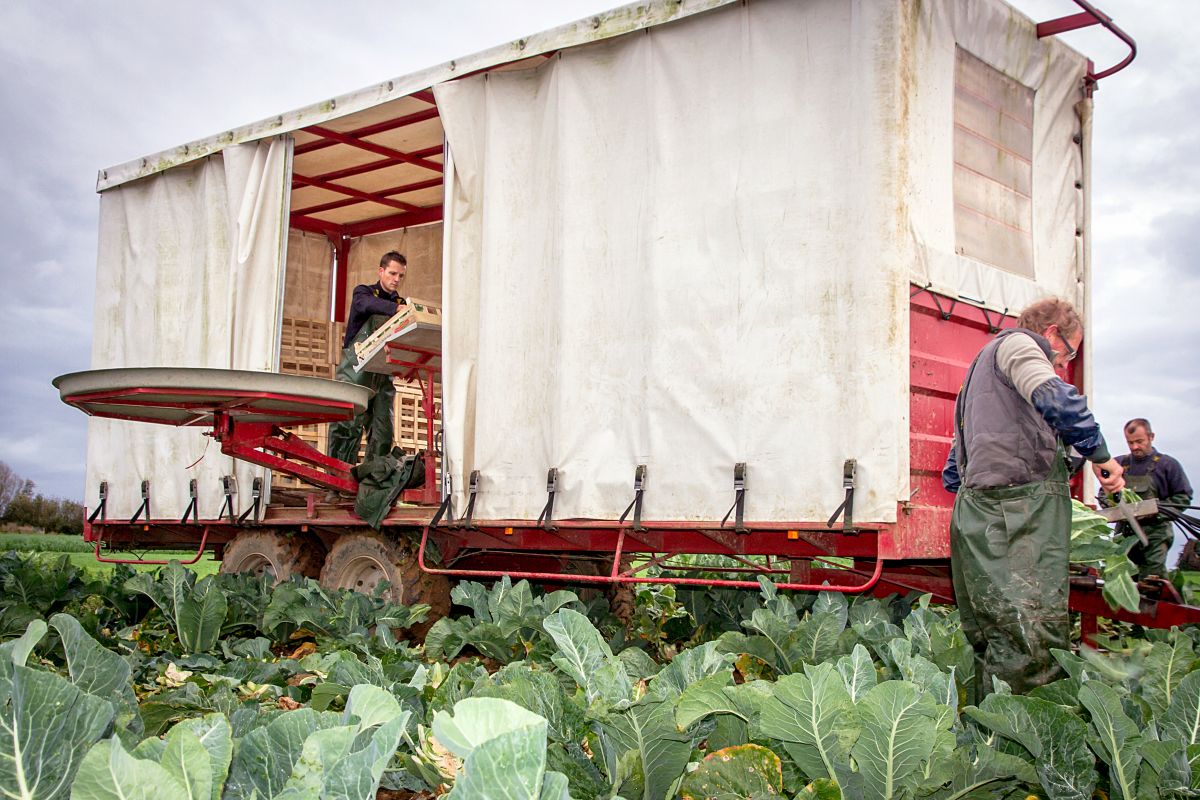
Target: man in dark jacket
column 370, row 307
column 1152, row 474
column 1011, row 527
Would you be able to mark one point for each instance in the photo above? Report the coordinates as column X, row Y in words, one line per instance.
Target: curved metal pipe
column 1091, row 16
column 617, row 578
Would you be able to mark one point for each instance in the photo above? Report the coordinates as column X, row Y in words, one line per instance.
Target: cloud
column 89, row 85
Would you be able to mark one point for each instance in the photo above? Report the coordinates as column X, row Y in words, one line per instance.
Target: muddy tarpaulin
column 189, row 275
column 692, row 246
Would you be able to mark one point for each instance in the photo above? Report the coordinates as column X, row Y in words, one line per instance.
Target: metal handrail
column 1088, row 17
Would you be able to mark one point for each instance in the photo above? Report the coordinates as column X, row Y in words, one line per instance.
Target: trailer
column 710, row 272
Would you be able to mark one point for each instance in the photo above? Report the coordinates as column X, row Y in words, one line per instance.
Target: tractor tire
column 361, row 561
column 280, row 555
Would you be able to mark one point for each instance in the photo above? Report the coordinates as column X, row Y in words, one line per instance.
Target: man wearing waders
column 1151, row 474
column 370, row 307
column 1010, row 531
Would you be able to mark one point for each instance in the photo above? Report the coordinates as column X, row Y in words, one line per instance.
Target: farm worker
column 1151, row 474
column 1011, row 527
column 370, row 307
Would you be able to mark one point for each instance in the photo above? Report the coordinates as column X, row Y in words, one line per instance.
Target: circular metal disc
column 192, row 395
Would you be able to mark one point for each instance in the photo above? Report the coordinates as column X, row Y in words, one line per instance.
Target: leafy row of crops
column 162, row 685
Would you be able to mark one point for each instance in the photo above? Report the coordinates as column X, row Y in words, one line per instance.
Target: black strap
column 545, row 519
column 635, row 505
column 145, row 506
column 739, row 499
column 102, row 509
column 255, row 503
column 193, row 509
column 229, row 487
column 848, row 472
column 441, row 512
column 993, row 327
column 472, row 491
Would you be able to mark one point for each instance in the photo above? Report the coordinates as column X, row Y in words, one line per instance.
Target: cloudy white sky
column 87, row 85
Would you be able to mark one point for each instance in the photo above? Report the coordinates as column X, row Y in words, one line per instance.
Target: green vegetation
column 20, row 505
column 224, row 687
column 31, row 541
column 81, row 554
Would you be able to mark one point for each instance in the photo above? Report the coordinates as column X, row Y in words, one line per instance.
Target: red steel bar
column 1088, row 17
column 341, row 250
column 239, row 399
column 350, row 201
column 616, row 577
column 369, row 130
column 250, row 441
column 371, row 147
column 332, row 230
column 155, row 561
column 394, row 222
column 366, row 197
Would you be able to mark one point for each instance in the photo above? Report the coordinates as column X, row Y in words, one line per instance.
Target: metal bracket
column 229, row 487
column 944, row 312
column 102, row 509
column 848, row 472
column 255, row 502
column 739, row 499
column 635, row 505
column 1141, row 510
column 723, row 538
column 993, row 327
column 472, row 491
column 546, row 518
column 446, row 508
column 192, row 510
column 145, row 506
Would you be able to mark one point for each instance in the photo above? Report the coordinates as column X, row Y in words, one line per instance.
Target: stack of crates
column 313, row 348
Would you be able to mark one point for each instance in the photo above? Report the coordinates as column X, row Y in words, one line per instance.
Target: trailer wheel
column 361, row 561
column 279, row 555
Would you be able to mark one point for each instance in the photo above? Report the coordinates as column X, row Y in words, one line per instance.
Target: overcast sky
column 87, row 85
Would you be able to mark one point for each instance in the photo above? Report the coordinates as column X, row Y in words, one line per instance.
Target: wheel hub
column 259, row 565
column 363, row 574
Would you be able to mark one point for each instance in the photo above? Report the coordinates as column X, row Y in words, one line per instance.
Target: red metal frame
column 417, row 367
column 341, row 250
column 154, row 561
column 628, row 576
column 259, row 442
column 239, row 403
column 336, row 204
column 909, row 555
column 306, row 219
column 1086, row 18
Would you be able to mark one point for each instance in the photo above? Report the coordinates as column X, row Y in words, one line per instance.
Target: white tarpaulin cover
column 992, row 32
column 692, row 246
column 189, row 275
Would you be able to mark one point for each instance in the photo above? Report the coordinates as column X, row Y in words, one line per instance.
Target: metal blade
column 1127, row 512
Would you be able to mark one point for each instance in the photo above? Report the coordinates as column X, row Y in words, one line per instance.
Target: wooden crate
column 409, row 416
column 414, row 312
column 309, row 347
column 314, row 435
